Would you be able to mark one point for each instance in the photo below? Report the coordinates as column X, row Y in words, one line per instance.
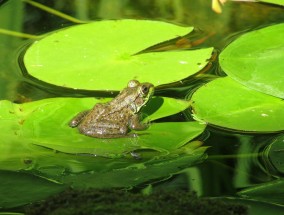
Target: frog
column 117, row 117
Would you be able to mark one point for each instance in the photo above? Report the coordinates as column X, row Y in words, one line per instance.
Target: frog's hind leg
column 108, row 136
column 78, row 118
column 105, row 131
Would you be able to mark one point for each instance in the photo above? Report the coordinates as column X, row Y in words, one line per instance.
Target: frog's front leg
column 136, row 124
column 78, row 118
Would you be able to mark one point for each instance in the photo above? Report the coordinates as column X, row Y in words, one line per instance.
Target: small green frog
column 117, row 117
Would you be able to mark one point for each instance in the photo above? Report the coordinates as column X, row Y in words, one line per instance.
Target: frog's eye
column 133, row 83
column 144, row 89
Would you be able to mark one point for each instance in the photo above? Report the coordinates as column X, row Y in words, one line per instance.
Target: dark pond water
column 235, row 160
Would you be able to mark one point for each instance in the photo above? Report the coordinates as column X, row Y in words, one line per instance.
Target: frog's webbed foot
column 78, row 118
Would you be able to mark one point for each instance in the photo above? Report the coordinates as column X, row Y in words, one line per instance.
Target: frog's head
column 143, row 91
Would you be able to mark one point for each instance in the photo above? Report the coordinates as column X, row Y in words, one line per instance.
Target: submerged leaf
column 102, row 55
column 226, row 103
column 271, row 192
column 256, row 60
column 18, row 189
column 160, row 167
column 86, row 170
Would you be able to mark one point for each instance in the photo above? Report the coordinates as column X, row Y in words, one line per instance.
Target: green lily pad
column 32, row 125
column 157, row 137
column 45, row 123
column 256, row 60
column 226, row 103
column 101, row 55
column 279, row 2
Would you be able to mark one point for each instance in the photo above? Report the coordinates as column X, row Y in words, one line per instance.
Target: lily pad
column 157, row 137
column 45, row 123
column 226, row 103
column 102, row 55
column 279, row 2
column 256, row 60
column 32, row 129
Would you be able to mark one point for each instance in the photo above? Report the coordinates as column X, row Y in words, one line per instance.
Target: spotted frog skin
column 115, row 118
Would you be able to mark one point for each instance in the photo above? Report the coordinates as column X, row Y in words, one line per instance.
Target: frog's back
column 107, row 124
column 103, row 113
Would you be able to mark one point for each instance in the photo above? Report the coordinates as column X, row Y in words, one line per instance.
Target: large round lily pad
column 256, row 60
column 33, row 133
column 101, row 55
column 229, row 104
column 45, row 123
